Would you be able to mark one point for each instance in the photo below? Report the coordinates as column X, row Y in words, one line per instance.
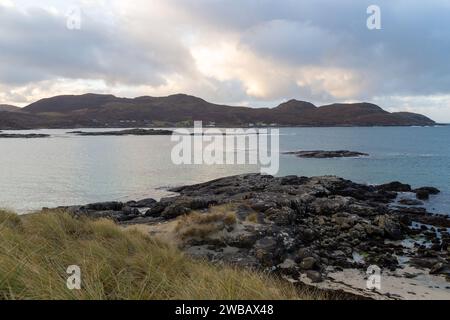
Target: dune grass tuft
column 35, row 251
column 199, row 225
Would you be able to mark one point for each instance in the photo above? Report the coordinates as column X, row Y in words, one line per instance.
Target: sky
column 254, row 53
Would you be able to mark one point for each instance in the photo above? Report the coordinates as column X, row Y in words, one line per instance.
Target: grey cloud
column 291, row 41
column 36, row 45
column 407, row 57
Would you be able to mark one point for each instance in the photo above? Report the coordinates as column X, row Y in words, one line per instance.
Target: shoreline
column 304, row 229
column 222, row 127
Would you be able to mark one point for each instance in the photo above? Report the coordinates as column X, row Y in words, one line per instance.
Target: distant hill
column 9, row 108
column 95, row 110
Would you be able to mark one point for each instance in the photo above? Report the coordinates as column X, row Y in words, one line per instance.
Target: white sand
column 393, row 285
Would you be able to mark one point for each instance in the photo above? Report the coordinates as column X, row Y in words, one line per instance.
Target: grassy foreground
column 35, row 251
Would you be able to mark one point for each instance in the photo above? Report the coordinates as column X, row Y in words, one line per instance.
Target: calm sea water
column 66, row 169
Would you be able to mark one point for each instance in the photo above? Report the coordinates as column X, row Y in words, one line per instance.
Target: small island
column 24, row 136
column 128, row 132
column 322, row 154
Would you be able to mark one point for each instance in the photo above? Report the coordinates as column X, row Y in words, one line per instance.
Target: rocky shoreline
column 323, row 154
column 24, row 136
column 133, row 132
column 304, row 229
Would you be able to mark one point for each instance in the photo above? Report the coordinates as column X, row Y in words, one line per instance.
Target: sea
column 67, row 169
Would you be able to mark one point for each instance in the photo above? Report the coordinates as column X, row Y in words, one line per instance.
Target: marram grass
column 36, row 249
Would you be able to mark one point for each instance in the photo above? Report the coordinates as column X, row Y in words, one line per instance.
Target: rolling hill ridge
column 97, row 110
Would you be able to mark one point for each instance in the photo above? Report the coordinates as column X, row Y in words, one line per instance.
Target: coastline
column 236, row 126
column 308, row 230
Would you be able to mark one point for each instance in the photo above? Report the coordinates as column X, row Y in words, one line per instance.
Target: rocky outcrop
column 297, row 225
column 411, row 202
column 321, row 154
column 133, row 132
column 23, row 136
column 425, row 192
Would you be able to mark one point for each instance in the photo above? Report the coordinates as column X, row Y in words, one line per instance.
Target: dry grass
column 35, row 251
column 253, row 217
column 199, row 225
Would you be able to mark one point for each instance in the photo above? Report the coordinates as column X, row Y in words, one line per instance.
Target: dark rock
column 303, row 253
column 99, row 214
column 422, row 195
column 357, row 193
column 104, row 206
column 243, row 212
column 261, row 205
column 387, row 260
column 130, row 211
column 283, row 217
column 364, row 210
column 383, row 196
column 344, row 220
column 425, row 192
column 395, row 186
column 429, row 190
column 306, row 234
column 390, row 226
column 321, row 154
column 264, row 250
column 155, row 210
column 308, row 263
column 299, row 206
column 288, row 266
column 23, row 136
column 174, row 210
column 424, row 262
column 314, row 276
column 410, row 202
column 144, row 203
column 436, row 268
column 293, row 180
column 329, row 206
column 410, row 210
column 169, row 203
column 126, row 217
column 134, row 132
column 245, row 240
column 202, row 203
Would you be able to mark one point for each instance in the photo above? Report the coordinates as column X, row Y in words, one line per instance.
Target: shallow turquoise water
column 67, row 169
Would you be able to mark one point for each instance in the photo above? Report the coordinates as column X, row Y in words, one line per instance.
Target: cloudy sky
column 242, row 52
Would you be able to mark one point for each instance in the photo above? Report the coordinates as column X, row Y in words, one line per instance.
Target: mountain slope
column 69, row 103
column 94, row 110
column 9, row 108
